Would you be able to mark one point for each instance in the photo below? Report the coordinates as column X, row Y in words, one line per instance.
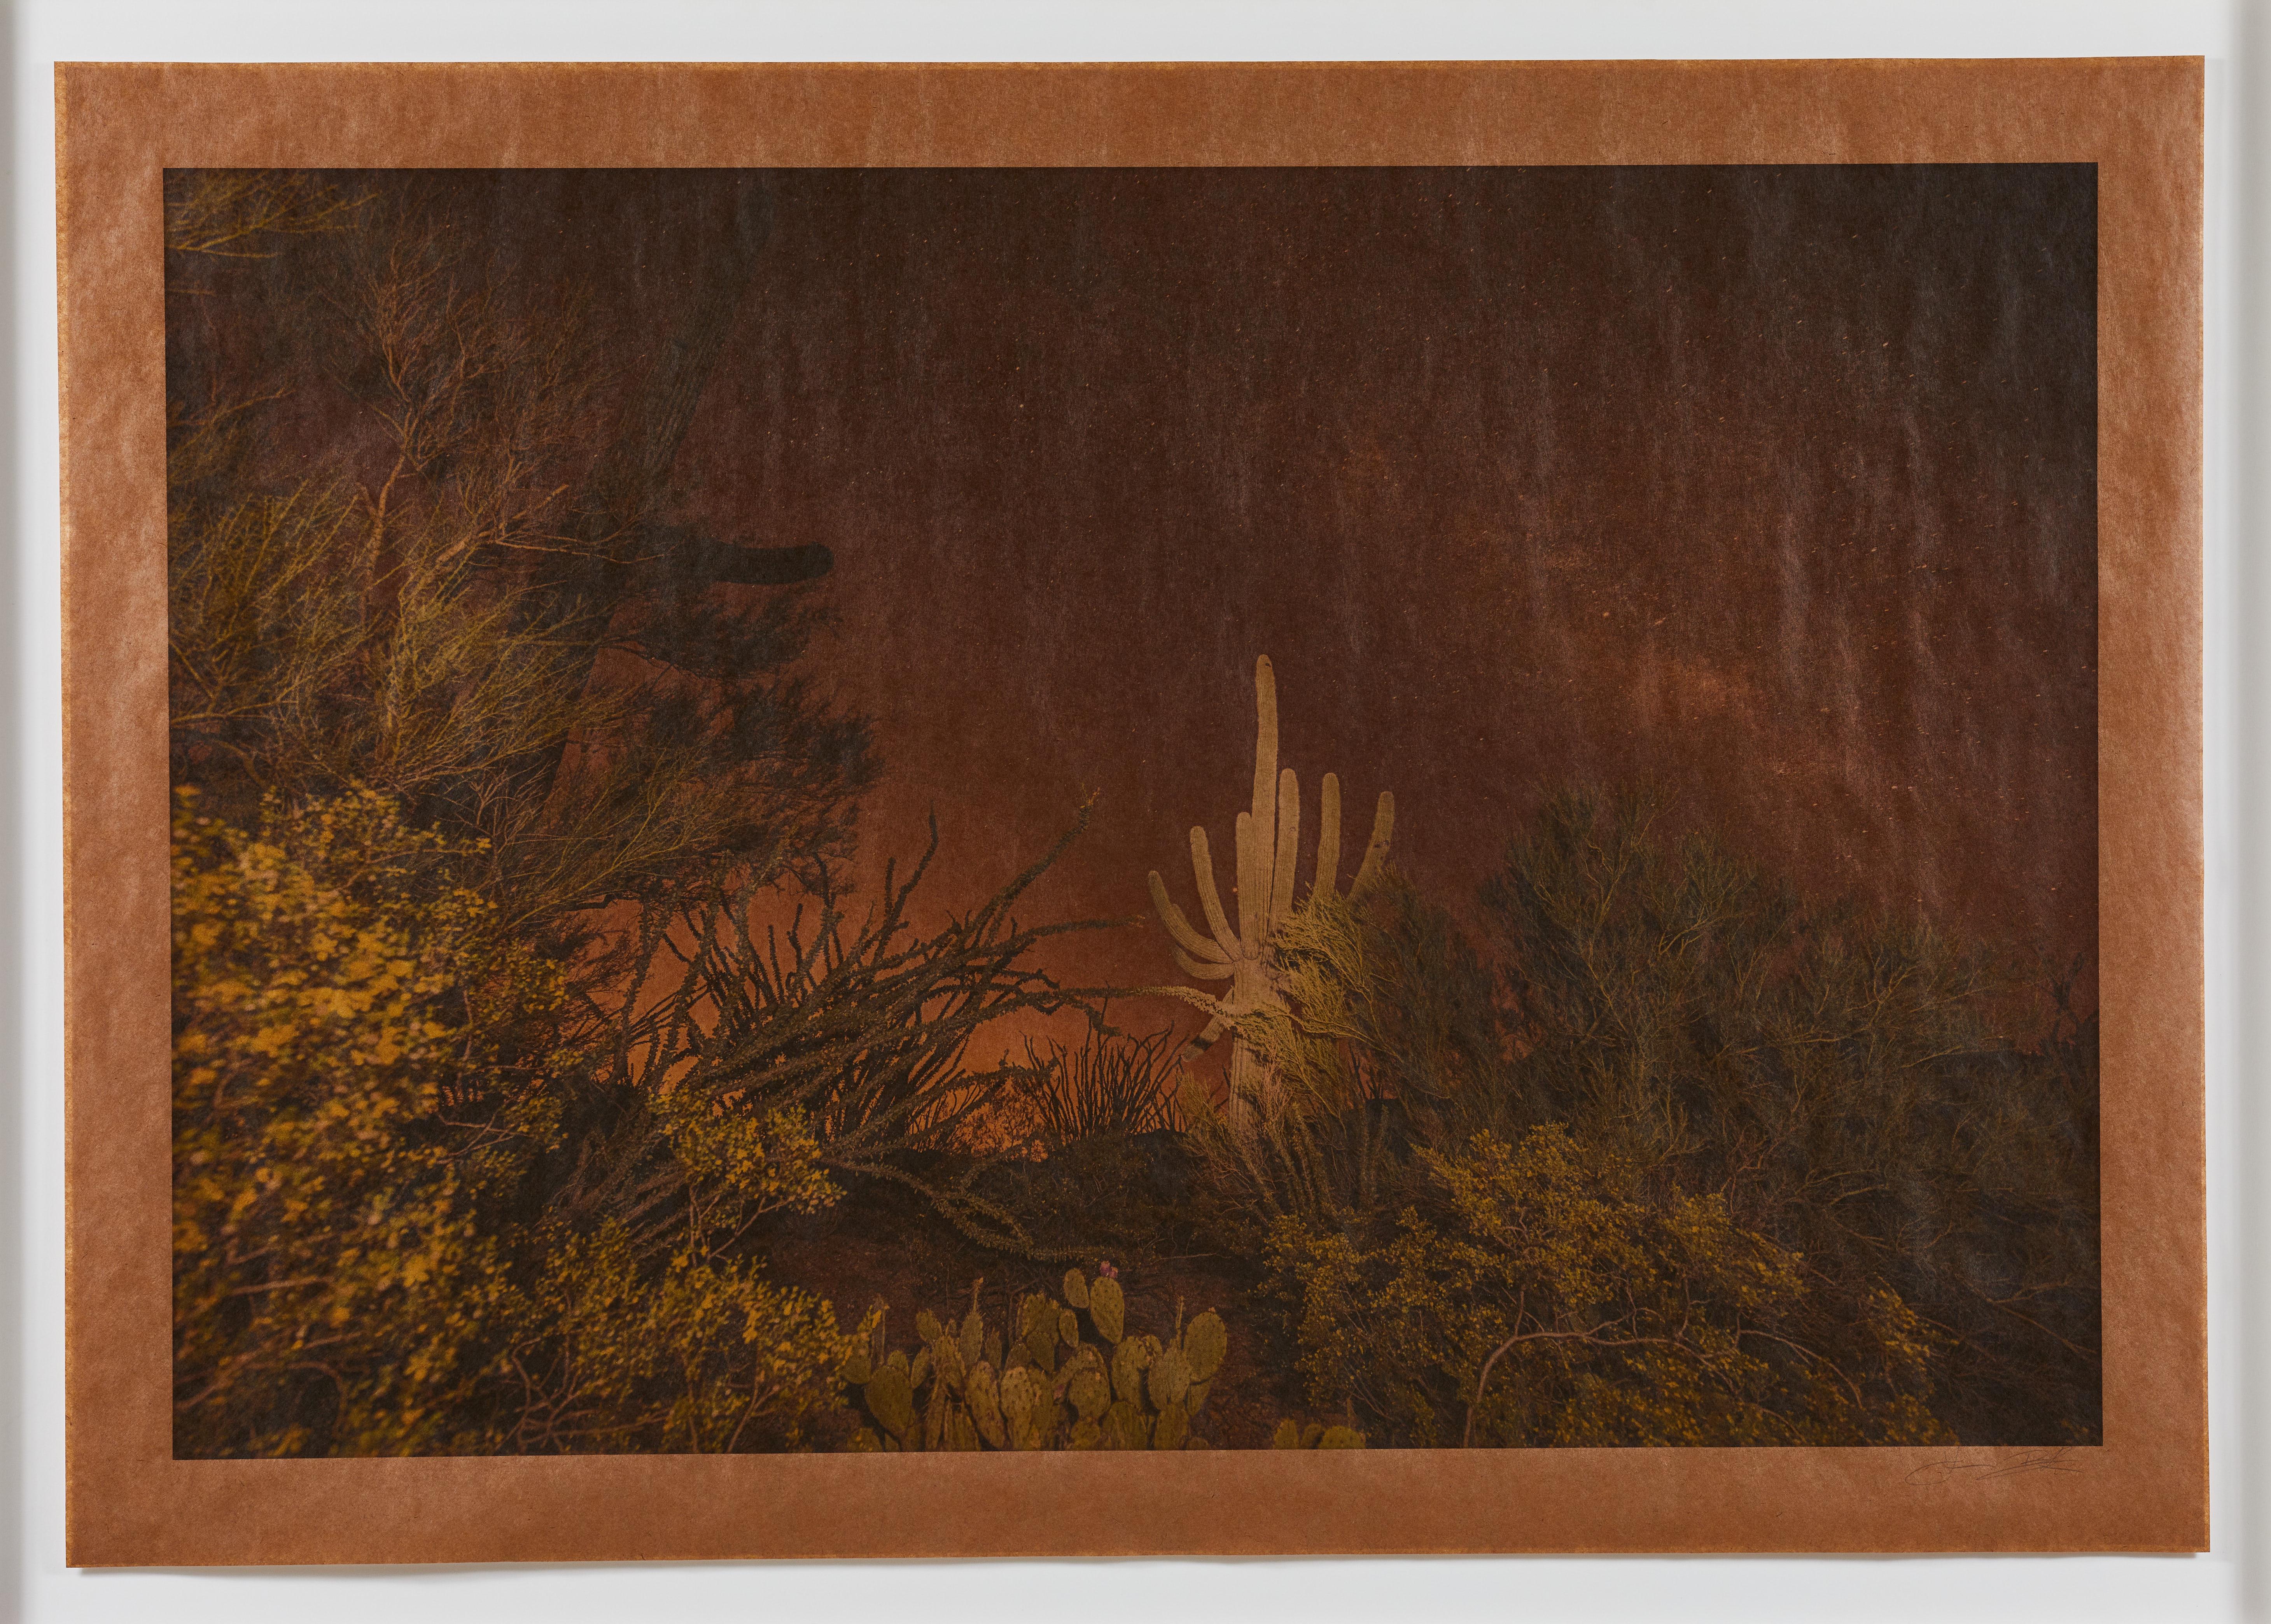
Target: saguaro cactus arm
column 1328, row 837
column 1251, row 899
column 1179, row 927
column 1375, row 855
column 1254, row 889
column 1289, row 845
column 1209, row 899
column 1202, row 969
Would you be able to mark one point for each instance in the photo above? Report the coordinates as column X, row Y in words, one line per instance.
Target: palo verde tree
column 418, row 543
column 450, row 695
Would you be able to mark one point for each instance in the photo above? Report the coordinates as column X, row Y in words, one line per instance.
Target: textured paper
column 132, row 1503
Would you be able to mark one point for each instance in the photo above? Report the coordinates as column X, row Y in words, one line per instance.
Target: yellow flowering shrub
column 339, row 1000
column 369, row 1073
column 703, row 1358
column 741, row 1164
column 1554, row 1298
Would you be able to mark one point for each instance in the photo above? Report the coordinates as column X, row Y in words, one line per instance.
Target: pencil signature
column 1942, row 1472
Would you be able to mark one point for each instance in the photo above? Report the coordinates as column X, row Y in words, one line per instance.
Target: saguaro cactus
column 1268, row 843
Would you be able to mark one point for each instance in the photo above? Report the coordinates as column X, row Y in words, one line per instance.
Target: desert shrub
column 453, row 594
column 1849, row 1090
column 1556, row 1300
column 1122, row 1196
column 413, row 589
column 240, row 213
column 487, row 777
column 1853, row 1087
column 703, row 1356
column 1387, row 1039
column 857, row 1037
column 1109, row 1084
column 740, row 1168
column 369, row 1068
column 359, row 1052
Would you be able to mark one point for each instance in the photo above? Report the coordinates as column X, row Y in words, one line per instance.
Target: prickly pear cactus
column 946, row 1359
column 1105, row 1389
column 1268, row 843
column 985, row 1407
column 1090, row 1393
column 890, row 1400
column 1022, row 1396
column 1316, row 1435
column 1107, row 1309
column 1171, row 1379
column 1205, row 1341
column 1126, row 1426
column 1130, row 1360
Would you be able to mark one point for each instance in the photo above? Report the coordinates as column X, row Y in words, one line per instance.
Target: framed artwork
column 1074, row 811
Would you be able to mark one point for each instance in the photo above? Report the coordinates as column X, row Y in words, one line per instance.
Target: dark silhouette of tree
column 450, row 576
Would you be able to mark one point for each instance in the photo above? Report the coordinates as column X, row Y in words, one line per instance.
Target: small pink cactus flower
column 1106, row 1270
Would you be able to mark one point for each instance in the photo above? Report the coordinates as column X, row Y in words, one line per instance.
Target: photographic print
column 683, row 683
column 1442, row 808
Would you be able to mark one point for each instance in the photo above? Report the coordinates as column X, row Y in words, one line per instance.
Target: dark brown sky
column 1774, row 485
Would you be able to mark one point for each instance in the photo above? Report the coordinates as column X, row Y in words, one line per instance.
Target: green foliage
column 1052, row 1389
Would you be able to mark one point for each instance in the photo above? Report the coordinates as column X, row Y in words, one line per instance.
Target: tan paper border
column 131, row 1503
